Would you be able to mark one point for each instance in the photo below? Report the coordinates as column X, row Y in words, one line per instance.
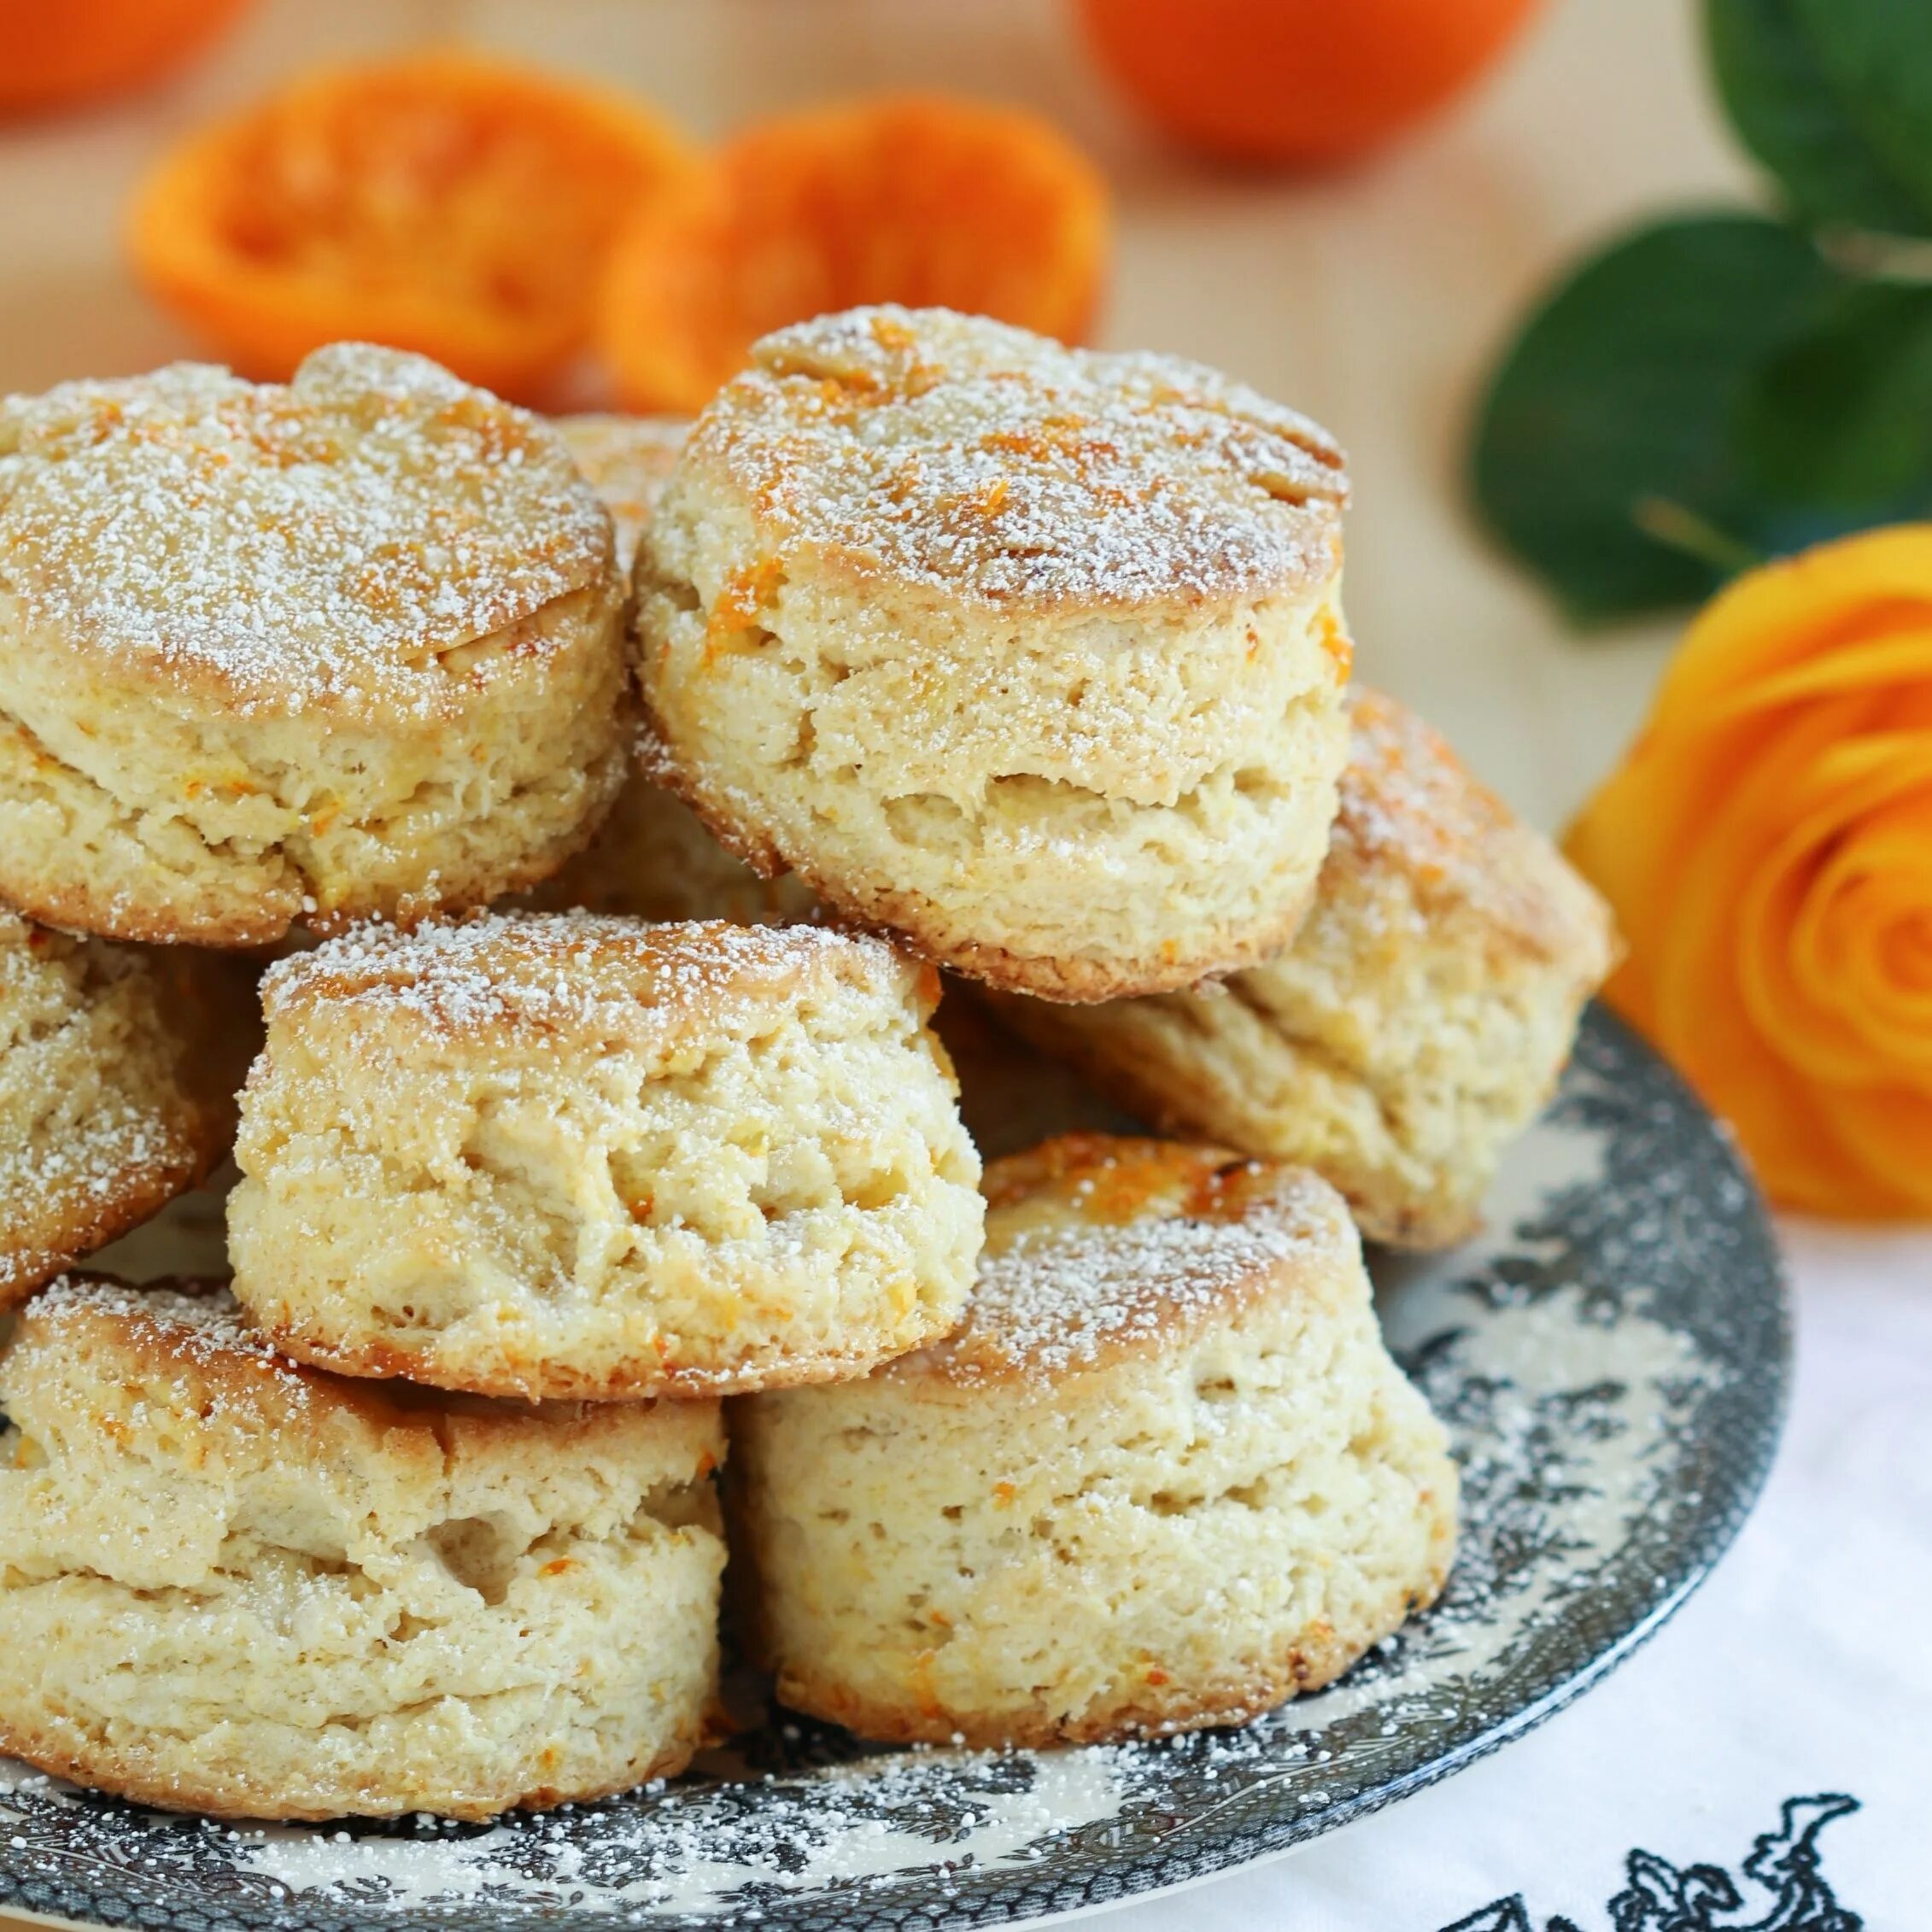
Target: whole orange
column 1296, row 80
column 54, row 53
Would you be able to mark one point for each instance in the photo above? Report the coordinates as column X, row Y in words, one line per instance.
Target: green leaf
column 1829, row 95
column 1876, row 56
column 1603, row 454
column 1841, row 419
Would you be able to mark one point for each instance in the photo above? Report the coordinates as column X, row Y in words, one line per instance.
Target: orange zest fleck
column 1339, row 646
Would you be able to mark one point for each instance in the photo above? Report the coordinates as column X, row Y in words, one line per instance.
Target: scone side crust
column 126, row 1774
column 160, row 1081
column 1313, row 1660
column 196, row 1327
column 254, row 899
column 217, row 538
column 549, row 1380
column 1023, row 474
column 912, row 920
column 1152, row 1088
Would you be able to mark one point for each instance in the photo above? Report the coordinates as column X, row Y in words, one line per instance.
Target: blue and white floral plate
column 1611, row 1360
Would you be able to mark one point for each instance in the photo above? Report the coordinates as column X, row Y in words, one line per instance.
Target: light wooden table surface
column 1371, row 300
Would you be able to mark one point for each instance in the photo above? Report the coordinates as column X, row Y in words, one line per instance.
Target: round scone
column 1416, row 1025
column 269, row 653
column 1032, row 655
column 233, row 1586
column 560, row 1155
column 1164, row 1476
column 118, row 1072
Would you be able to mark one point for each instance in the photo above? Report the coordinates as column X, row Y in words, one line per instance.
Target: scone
column 232, row 1586
column 1418, row 1022
column 1165, row 1476
column 557, row 1155
column 1031, row 655
column 652, row 857
column 118, row 1072
column 626, row 460
column 268, row 654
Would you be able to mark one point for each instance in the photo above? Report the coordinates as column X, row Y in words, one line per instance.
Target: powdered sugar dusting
column 1608, row 1364
column 580, row 971
column 1410, row 811
column 324, row 542
column 1053, row 1299
column 200, row 1320
column 960, row 453
column 80, row 1178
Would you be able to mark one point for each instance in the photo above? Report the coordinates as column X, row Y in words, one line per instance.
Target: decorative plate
column 1611, row 1360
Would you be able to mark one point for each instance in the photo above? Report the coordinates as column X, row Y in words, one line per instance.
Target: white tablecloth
column 1802, row 1669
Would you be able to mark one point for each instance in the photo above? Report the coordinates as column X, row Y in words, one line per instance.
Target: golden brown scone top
column 193, row 1338
column 1102, row 1247
column 972, row 459
column 587, row 978
column 318, row 545
column 1417, row 832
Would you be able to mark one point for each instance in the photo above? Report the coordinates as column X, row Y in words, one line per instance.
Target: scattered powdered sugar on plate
column 1609, row 1362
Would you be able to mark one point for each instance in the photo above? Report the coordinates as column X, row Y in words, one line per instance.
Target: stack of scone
column 942, row 646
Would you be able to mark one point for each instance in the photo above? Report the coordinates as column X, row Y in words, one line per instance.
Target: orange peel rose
column 1767, row 845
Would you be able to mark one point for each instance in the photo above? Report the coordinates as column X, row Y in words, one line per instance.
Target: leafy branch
column 1718, row 387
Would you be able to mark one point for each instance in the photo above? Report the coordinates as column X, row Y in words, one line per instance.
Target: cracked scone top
column 1163, row 1475
column 562, row 1155
column 237, row 1586
column 1031, row 654
column 269, row 653
column 1416, row 1026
